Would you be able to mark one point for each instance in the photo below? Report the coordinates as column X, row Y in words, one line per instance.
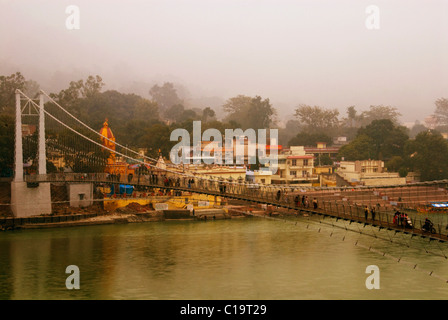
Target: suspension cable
column 96, row 132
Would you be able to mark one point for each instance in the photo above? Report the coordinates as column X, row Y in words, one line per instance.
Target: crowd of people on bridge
column 304, row 202
column 402, row 219
column 369, row 210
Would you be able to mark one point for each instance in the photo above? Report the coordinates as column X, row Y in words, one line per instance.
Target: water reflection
column 237, row 259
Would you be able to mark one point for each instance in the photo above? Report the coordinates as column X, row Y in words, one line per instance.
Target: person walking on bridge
column 315, row 203
column 296, row 200
column 372, row 210
column 396, row 218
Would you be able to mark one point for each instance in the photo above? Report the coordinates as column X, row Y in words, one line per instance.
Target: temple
column 114, row 166
column 108, row 141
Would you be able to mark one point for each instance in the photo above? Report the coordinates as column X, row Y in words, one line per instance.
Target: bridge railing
column 345, row 204
column 384, row 216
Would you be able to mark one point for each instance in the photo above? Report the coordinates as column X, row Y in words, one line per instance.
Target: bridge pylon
column 29, row 199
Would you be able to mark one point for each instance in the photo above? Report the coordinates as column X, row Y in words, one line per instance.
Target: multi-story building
column 366, row 172
column 295, row 167
column 241, row 153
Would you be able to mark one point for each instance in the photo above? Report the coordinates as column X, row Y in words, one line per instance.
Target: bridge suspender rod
column 357, row 243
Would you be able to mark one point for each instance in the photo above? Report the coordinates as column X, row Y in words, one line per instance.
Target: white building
column 295, row 167
column 366, row 172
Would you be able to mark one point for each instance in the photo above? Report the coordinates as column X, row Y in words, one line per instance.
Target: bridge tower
column 29, row 199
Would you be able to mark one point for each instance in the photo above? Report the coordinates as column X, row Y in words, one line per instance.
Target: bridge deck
column 275, row 196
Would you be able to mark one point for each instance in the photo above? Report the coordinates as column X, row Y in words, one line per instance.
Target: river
column 251, row 258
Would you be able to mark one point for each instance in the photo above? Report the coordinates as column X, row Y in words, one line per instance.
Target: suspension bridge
column 60, row 133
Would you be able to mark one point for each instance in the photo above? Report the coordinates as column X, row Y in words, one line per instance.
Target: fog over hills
column 292, row 52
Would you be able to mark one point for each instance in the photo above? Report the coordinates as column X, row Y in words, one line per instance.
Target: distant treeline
column 147, row 123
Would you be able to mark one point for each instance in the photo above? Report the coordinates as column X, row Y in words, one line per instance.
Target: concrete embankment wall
column 17, row 223
column 198, row 214
column 211, row 214
column 71, row 220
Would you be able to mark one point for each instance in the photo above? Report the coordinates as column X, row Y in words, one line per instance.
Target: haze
column 293, row 52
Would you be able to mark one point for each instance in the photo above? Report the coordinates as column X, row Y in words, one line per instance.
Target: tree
column 157, row 137
column 378, row 113
column 174, row 112
column 352, row 117
column 72, row 97
column 208, row 114
column 69, row 98
column 317, row 119
column 117, row 107
column 388, row 139
column 8, row 86
column 306, row 139
column 6, row 142
column 362, row 148
column 133, row 133
column 92, row 86
column 441, row 112
column 129, row 115
column 254, row 113
column 165, row 96
column 190, row 114
column 324, row 160
column 237, row 104
column 428, row 154
column 236, row 109
column 31, row 89
column 291, row 129
column 177, row 113
column 357, row 120
column 260, row 113
column 220, row 126
column 416, row 129
column 395, row 164
column 146, row 110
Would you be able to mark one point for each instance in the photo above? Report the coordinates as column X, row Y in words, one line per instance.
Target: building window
column 293, row 173
column 305, row 162
column 294, row 162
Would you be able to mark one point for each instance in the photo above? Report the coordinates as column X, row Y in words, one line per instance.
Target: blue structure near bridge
column 122, row 189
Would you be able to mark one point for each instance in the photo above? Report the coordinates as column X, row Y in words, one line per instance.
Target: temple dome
column 106, row 132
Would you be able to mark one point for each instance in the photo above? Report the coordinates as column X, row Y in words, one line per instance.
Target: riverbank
column 132, row 213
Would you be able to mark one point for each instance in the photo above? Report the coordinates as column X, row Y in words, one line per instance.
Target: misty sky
column 313, row 52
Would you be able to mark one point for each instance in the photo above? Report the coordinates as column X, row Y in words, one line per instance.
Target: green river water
column 251, row 258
